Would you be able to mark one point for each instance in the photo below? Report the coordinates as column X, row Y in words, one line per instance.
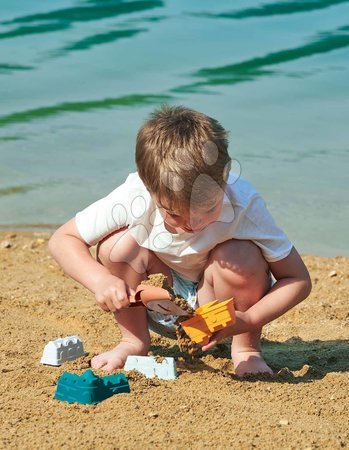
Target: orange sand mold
column 208, row 319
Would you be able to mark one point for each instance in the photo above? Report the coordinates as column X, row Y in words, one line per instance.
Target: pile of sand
column 304, row 406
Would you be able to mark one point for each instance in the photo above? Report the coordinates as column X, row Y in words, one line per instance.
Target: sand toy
column 158, row 299
column 61, row 350
column 88, row 388
column 208, row 319
column 150, row 367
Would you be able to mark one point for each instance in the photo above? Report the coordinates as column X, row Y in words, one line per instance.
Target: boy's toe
column 108, row 362
column 250, row 363
column 112, row 365
column 97, row 362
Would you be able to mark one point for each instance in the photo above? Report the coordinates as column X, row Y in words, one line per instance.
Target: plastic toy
column 208, row 319
column 148, row 366
column 61, row 350
column 89, row 389
column 157, row 299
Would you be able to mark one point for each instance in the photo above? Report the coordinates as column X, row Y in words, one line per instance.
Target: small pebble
column 283, row 422
column 33, row 245
column 153, row 415
column 333, row 273
column 6, row 244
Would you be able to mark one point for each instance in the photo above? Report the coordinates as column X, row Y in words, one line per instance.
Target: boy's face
column 196, row 218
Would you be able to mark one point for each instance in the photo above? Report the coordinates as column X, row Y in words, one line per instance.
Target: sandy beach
column 305, row 406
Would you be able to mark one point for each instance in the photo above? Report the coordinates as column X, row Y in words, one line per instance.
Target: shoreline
column 50, row 228
column 29, row 228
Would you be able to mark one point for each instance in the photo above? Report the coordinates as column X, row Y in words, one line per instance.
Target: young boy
column 184, row 214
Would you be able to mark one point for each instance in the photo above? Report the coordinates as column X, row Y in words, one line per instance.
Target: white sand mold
column 61, row 350
column 148, row 366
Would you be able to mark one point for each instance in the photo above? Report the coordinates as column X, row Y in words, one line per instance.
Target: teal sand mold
column 88, row 388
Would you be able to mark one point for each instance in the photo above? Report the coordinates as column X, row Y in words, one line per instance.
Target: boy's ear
column 226, row 170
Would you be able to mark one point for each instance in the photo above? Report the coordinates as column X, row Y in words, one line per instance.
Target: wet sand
column 305, row 406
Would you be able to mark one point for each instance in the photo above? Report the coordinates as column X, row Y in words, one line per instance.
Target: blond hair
column 180, row 154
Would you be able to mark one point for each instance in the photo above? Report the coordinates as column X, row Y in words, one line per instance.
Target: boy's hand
column 242, row 325
column 112, row 293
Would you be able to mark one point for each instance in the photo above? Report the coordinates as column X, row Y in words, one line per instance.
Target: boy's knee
column 239, row 258
column 121, row 247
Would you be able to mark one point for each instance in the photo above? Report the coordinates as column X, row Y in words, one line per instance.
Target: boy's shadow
column 323, row 356
column 294, row 361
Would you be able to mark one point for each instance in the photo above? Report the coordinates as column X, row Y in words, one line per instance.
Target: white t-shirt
column 243, row 216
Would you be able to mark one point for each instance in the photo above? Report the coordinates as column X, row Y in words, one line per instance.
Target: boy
column 184, row 215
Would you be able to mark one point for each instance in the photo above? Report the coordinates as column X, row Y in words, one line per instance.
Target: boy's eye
column 212, row 209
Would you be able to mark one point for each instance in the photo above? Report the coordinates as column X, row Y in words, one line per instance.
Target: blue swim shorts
column 165, row 324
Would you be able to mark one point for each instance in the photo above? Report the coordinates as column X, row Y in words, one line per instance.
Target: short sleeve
column 259, row 226
column 112, row 212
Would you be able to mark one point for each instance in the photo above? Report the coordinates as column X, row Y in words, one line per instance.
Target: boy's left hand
column 242, row 325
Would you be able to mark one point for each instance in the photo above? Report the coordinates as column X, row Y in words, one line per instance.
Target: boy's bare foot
column 115, row 358
column 249, row 362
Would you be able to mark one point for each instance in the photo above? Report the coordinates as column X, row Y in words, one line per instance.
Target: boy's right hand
column 112, row 293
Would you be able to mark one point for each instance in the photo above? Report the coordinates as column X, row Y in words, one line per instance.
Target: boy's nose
column 194, row 224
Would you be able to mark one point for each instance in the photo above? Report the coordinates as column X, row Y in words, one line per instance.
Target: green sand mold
column 89, row 389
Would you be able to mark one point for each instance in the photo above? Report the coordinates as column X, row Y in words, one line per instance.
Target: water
column 77, row 78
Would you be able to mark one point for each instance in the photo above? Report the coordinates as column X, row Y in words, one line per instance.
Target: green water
column 77, row 78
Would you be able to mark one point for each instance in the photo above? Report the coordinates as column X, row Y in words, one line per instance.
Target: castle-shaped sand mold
column 89, row 388
column 150, row 367
column 61, row 350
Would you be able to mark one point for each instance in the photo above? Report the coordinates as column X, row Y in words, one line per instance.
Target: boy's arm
column 292, row 286
column 72, row 253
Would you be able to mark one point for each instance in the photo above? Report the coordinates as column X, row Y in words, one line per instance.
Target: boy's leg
column 123, row 257
column 237, row 269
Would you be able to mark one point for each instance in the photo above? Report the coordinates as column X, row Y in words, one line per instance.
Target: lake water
column 77, row 78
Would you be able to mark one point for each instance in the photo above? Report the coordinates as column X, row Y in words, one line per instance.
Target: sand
column 304, row 407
